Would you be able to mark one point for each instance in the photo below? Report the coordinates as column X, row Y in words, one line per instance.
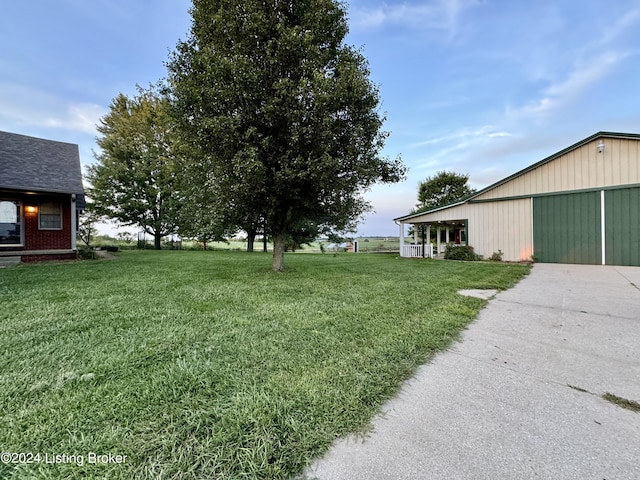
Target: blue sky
column 484, row 87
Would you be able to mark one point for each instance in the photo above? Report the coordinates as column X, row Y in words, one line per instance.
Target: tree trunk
column 278, row 252
column 251, row 239
column 264, row 236
column 157, row 241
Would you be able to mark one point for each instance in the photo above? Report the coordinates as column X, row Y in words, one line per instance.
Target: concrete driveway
column 520, row 397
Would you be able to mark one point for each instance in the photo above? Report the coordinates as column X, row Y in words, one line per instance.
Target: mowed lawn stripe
column 207, row 364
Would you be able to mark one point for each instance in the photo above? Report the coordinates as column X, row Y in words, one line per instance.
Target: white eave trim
column 438, row 209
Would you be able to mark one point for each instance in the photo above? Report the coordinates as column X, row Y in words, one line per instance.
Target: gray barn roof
column 38, row 165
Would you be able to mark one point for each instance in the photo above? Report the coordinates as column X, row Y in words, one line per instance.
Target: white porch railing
column 415, row 251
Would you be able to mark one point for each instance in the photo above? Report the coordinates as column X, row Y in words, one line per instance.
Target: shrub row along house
column 41, row 195
column 580, row 205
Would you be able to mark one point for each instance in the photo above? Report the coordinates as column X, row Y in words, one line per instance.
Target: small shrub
column 87, row 254
column 496, row 256
column 460, row 252
column 111, row 248
column 143, row 245
column 171, row 244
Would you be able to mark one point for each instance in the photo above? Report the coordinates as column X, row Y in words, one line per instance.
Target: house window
column 9, row 222
column 50, row 217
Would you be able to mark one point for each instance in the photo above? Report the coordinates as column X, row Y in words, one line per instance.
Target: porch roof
column 437, row 209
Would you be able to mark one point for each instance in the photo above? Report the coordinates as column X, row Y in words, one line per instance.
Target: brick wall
column 36, row 239
column 48, row 258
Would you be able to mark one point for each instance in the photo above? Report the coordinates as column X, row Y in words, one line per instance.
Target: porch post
column 438, row 240
column 401, row 239
column 447, row 235
column 428, row 236
column 415, row 234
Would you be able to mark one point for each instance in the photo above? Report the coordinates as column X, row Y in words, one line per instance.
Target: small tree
column 442, row 189
column 87, row 225
column 438, row 190
column 135, row 176
column 125, row 237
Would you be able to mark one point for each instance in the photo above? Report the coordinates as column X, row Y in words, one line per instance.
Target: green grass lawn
column 206, row 365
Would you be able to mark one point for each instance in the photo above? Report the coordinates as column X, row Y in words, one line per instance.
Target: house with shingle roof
column 41, row 196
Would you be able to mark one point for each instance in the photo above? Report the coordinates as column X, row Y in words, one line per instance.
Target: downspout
column 466, row 232
column 74, row 222
column 603, row 226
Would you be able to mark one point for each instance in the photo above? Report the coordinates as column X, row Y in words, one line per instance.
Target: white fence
column 415, row 251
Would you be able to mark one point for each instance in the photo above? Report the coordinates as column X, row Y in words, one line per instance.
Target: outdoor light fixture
column 601, row 146
column 30, row 208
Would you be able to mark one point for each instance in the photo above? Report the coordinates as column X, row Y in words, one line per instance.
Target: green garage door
column 622, row 226
column 567, row 228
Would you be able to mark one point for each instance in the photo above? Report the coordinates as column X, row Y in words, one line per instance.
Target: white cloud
column 569, row 88
column 586, row 75
column 611, row 32
column 81, row 117
column 499, row 135
column 22, row 107
column 438, row 15
column 465, row 136
column 571, row 73
column 458, row 151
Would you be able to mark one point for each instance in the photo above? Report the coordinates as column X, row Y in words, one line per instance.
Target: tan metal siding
column 502, row 226
column 493, row 226
column 582, row 168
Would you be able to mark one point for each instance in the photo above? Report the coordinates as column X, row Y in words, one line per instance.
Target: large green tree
column 282, row 111
column 441, row 189
column 134, row 180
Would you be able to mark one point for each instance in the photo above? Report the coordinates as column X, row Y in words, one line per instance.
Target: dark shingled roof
column 38, row 165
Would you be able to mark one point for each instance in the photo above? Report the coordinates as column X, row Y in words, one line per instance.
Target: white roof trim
column 437, row 209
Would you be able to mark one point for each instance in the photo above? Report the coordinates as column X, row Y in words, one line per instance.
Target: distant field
column 379, row 244
column 366, row 244
column 207, row 365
